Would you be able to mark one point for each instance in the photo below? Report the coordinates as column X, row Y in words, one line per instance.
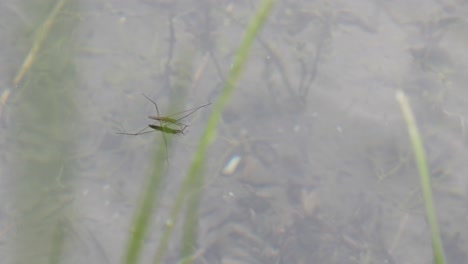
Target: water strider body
column 165, row 122
column 166, row 129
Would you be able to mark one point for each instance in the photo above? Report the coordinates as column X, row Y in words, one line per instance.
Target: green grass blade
column 193, row 182
column 425, row 178
column 152, row 189
column 42, row 108
column 146, row 209
column 195, row 177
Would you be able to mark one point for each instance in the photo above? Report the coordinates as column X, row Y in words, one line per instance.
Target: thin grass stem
column 423, row 168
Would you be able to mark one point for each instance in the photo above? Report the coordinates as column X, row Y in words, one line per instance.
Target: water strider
column 165, row 122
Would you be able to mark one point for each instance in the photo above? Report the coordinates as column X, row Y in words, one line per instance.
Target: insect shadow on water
column 165, row 122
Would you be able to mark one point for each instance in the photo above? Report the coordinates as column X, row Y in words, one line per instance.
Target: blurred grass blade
column 43, row 137
column 41, row 35
column 193, row 182
column 152, row 189
column 58, row 243
column 425, row 178
column 147, row 207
